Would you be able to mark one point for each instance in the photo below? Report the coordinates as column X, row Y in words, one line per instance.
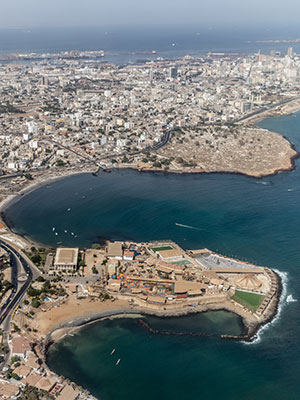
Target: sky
column 82, row 13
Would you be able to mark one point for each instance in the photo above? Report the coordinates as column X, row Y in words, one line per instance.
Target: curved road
column 19, row 265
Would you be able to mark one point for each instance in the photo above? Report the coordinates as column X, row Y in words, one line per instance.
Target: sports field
column 156, row 249
column 249, row 300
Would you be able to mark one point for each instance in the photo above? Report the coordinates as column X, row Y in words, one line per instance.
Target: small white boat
column 112, row 352
column 69, row 209
column 53, row 229
column 56, row 233
column 72, row 233
column 118, row 362
column 66, row 231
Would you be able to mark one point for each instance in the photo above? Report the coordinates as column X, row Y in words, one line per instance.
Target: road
column 162, row 142
column 266, row 108
column 19, row 265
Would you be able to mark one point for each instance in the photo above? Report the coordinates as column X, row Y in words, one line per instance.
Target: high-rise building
column 173, row 72
column 44, row 81
column 290, row 52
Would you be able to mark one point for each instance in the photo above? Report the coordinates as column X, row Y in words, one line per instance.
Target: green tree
column 35, row 302
column 60, row 163
column 94, row 270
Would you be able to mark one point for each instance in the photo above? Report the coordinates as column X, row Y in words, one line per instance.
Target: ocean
column 252, row 219
column 169, row 42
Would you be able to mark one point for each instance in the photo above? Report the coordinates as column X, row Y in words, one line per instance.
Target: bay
column 251, row 219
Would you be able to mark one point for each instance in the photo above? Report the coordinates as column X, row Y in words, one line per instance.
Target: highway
column 18, row 265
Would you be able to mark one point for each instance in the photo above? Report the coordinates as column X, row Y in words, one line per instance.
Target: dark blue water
column 258, row 220
column 169, row 41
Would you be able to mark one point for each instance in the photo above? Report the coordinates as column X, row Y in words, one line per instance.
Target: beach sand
column 73, row 309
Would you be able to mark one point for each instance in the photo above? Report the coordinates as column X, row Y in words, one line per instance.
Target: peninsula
column 70, row 287
column 181, row 116
column 69, row 113
column 158, row 278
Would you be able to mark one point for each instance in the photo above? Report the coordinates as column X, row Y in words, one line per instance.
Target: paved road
column 266, row 108
column 163, row 141
column 19, row 266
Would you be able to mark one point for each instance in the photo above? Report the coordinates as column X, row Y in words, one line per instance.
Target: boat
column 69, row 209
column 53, row 229
column 112, row 352
column 118, row 362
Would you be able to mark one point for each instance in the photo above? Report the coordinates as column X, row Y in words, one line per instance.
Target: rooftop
column 66, row 256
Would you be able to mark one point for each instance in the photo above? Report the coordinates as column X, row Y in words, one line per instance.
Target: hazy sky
column 53, row 13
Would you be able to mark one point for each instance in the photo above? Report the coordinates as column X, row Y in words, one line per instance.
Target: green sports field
column 249, row 300
column 156, row 249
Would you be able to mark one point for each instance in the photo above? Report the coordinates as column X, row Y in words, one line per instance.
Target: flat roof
column 170, row 253
column 66, row 256
column 186, row 286
column 115, row 249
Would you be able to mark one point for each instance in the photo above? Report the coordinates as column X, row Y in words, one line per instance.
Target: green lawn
column 250, row 300
column 156, row 249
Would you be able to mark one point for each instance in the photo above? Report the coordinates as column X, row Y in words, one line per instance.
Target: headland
column 157, row 278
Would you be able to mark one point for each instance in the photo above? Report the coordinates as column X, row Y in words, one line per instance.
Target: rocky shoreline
column 250, row 328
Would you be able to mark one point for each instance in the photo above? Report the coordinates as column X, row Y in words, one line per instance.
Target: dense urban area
column 70, row 112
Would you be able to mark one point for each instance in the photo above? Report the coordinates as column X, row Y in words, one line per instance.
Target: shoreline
column 289, row 108
column 45, row 179
column 10, row 199
column 250, row 329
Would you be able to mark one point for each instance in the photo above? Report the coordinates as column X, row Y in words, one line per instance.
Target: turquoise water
column 257, row 220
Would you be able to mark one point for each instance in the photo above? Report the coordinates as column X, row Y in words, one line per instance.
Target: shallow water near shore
column 256, row 220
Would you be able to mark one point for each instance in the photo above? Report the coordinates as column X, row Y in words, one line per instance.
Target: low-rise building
column 20, row 346
column 115, row 250
column 66, row 259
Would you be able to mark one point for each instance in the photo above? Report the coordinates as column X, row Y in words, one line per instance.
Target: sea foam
column 282, row 303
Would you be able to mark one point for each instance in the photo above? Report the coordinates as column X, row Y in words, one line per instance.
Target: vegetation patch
column 249, row 300
column 162, row 248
